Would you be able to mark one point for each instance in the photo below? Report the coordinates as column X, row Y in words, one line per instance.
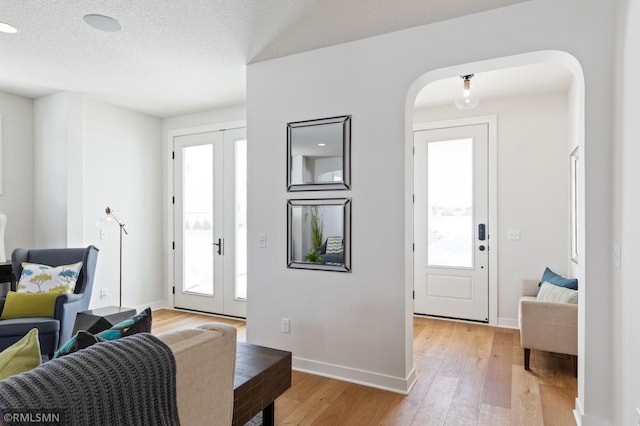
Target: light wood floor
column 467, row 374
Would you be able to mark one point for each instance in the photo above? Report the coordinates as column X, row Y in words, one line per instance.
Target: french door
column 210, row 222
column 451, row 257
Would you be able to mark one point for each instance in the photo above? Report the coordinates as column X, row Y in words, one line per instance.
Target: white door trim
column 170, row 191
column 492, row 122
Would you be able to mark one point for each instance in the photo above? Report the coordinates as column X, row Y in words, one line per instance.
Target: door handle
column 219, row 244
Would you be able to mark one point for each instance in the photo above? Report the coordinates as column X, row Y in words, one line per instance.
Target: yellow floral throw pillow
column 37, row 278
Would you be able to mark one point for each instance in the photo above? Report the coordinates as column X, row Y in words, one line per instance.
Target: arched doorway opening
column 511, row 229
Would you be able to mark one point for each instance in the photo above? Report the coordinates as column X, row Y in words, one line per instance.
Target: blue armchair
column 57, row 330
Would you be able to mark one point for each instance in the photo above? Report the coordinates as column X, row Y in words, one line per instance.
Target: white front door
column 210, row 221
column 451, row 257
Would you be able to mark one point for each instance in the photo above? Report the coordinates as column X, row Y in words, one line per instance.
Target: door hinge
column 414, row 198
column 173, row 245
column 414, row 294
column 173, row 200
column 413, row 246
column 414, row 150
column 173, row 289
column 173, row 155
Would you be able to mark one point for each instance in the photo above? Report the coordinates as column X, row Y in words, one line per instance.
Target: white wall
column 358, row 325
column 533, row 190
column 626, row 394
column 122, row 168
column 90, row 155
column 57, row 119
column 16, row 200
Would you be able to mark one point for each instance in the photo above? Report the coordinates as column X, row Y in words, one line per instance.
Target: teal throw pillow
column 139, row 323
column 552, row 278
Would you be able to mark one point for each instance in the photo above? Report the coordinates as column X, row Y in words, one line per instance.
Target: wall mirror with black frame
column 319, row 234
column 318, row 154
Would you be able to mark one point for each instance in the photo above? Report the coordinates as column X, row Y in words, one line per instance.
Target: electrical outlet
column 103, row 293
column 285, row 325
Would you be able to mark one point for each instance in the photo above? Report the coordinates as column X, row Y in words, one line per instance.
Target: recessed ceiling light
column 322, row 144
column 103, row 23
column 6, row 28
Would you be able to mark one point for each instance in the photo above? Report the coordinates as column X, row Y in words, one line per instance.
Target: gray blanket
column 130, row 381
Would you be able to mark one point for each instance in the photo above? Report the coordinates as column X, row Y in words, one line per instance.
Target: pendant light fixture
column 468, row 98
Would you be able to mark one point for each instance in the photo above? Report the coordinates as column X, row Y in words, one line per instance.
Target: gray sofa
column 204, row 379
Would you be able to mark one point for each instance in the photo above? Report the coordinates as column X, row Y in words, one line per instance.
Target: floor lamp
column 111, row 217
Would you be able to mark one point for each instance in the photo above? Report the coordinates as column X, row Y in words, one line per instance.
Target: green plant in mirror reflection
column 316, row 226
column 313, row 256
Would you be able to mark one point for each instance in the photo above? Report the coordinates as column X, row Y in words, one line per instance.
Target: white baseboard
column 508, row 323
column 578, row 412
column 158, row 304
column 367, row 378
column 587, row 420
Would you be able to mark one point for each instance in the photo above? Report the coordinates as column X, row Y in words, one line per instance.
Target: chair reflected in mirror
column 309, row 221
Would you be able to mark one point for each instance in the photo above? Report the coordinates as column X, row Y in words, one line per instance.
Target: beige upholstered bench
column 547, row 326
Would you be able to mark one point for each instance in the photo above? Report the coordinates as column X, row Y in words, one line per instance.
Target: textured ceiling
column 182, row 56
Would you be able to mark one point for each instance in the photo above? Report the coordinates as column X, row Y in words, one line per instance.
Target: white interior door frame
column 492, row 122
column 170, row 190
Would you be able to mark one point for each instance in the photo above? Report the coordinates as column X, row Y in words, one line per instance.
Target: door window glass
column 198, row 219
column 450, row 203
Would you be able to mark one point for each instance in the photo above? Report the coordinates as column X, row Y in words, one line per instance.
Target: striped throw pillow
column 334, row 245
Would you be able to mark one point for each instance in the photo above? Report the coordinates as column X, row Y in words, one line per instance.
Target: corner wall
column 350, row 324
column 90, row 155
column 626, row 376
column 17, row 168
column 122, row 169
column 57, row 120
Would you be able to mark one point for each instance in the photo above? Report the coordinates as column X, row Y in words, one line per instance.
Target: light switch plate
column 513, row 234
column 262, row 240
column 617, row 256
column 285, row 325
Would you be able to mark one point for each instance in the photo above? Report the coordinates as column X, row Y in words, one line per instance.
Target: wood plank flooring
column 467, row 374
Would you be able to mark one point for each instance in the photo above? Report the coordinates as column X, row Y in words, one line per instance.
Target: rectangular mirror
column 318, row 154
column 319, row 234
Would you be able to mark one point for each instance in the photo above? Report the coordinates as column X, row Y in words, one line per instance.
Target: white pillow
column 553, row 293
column 37, row 278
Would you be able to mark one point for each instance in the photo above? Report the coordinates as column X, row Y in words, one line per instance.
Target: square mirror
column 318, row 154
column 319, row 234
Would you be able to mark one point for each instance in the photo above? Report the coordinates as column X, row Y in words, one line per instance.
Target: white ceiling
column 510, row 82
column 182, row 56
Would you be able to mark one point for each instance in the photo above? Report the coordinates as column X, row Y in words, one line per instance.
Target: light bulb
column 469, row 97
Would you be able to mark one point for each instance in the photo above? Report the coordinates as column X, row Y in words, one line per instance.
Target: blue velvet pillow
column 555, row 279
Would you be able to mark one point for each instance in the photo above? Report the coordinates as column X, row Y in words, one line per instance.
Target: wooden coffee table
column 262, row 375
